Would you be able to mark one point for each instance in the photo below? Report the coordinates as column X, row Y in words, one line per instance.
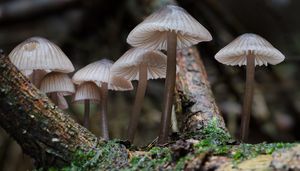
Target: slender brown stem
column 54, row 98
column 139, row 98
column 86, row 113
column 103, row 115
column 33, row 77
column 62, row 102
column 169, row 88
column 248, row 98
column 36, row 77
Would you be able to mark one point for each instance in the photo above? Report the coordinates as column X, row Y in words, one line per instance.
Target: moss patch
column 216, row 141
column 157, row 158
column 247, row 151
column 107, row 156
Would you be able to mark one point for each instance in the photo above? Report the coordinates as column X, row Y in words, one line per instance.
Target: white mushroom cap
column 99, row 72
column 39, row 53
column 152, row 32
column 96, row 72
column 119, row 84
column 87, row 91
column 235, row 52
column 57, row 82
column 128, row 64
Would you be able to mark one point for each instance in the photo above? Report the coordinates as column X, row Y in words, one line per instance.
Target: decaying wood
column 195, row 104
column 44, row 132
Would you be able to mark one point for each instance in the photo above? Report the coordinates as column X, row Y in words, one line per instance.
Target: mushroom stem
column 248, row 98
column 169, row 88
column 86, row 113
column 61, row 101
column 36, row 77
column 103, row 115
column 33, row 77
column 54, row 98
column 139, row 98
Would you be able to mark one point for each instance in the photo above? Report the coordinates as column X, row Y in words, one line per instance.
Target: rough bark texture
column 44, row 131
column 195, row 103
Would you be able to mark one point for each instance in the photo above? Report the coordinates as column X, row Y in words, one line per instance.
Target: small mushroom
column 169, row 28
column 86, row 93
column 250, row 50
column 139, row 64
column 37, row 56
column 99, row 73
column 58, row 85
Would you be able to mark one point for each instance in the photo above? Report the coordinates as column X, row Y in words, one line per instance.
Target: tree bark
column 195, row 103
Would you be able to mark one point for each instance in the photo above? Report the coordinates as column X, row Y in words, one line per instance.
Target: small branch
column 195, row 104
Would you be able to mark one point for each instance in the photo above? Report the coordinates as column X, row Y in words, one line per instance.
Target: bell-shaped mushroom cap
column 57, row 82
column 87, row 91
column 39, row 53
column 119, row 84
column 235, row 52
column 128, row 64
column 96, row 72
column 152, row 32
column 99, row 72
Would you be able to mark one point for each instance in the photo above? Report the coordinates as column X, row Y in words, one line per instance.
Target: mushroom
column 58, row 85
column 99, row 73
column 139, row 64
column 250, row 50
column 87, row 92
column 37, row 56
column 169, row 28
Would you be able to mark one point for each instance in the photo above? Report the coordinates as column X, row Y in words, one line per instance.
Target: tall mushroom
column 169, row 28
column 250, row 50
column 99, row 73
column 37, row 56
column 139, row 64
column 86, row 93
column 58, row 85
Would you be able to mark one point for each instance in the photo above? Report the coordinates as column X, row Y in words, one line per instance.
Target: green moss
column 214, row 133
column 247, row 151
column 107, row 156
column 217, row 141
column 180, row 164
column 156, row 159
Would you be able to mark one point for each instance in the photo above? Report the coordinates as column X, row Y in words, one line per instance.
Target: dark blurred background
column 89, row 30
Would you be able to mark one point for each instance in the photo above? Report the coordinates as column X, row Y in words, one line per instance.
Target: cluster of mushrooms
column 170, row 29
